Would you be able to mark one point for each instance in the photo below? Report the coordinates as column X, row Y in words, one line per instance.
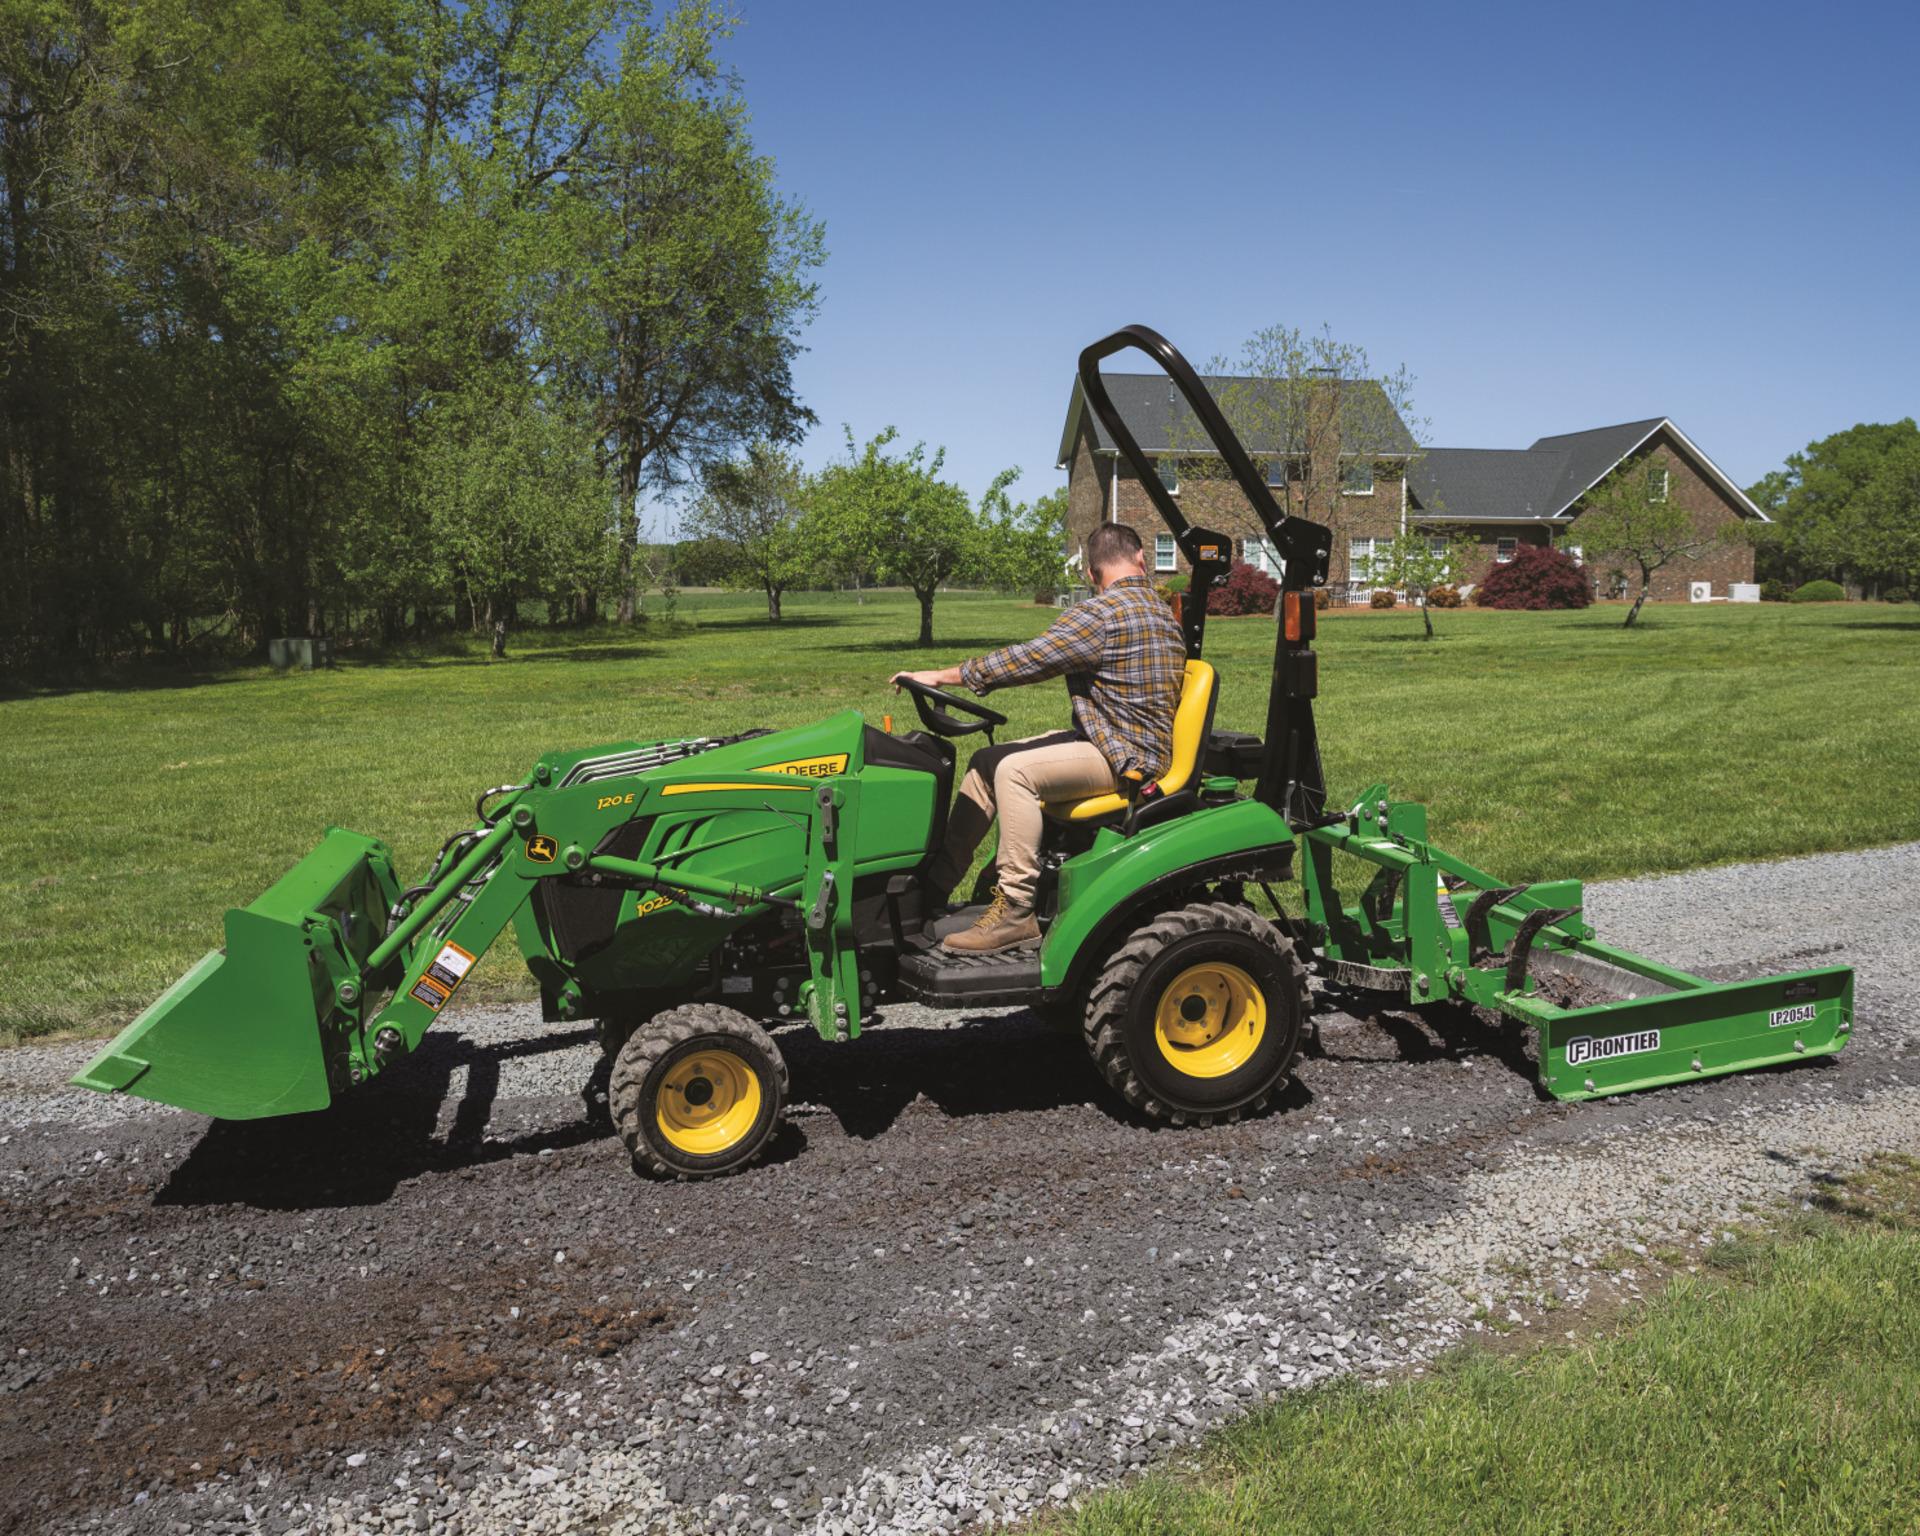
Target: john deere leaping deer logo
column 541, row 849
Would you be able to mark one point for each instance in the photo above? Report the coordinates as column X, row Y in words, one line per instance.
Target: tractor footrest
column 941, row 978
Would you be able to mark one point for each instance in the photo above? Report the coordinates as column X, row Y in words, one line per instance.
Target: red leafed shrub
column 1536, row 577
column 1245, row 590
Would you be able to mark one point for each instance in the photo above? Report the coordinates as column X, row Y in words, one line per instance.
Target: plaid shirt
column 1124, row 659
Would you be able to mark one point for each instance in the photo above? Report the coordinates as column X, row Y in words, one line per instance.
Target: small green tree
column 1023, row 547
column 1629, row 518
column 752, row 505
column 895, row 511
column 1419, row 560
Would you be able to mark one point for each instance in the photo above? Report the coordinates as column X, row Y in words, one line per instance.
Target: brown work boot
column 1001, row 926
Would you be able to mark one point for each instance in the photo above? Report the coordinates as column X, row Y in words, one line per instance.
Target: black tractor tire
column 696, row 1092
column 1240, row 959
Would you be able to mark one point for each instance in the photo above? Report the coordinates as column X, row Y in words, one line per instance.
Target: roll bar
column 1291, row 777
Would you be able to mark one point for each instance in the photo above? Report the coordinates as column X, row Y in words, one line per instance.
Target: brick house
column 1494, row 499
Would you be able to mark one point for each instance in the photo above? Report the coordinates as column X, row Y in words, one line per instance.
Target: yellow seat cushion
column 1189, row 737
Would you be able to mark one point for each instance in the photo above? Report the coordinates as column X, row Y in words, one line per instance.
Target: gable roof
column 1545, row 480
column 1153, row 412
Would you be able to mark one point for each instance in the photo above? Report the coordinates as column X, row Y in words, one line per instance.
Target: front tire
column 1196, row 1018
column 696, row 1092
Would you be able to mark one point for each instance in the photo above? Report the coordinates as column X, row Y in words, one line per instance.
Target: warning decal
column 425, row 991
column 450, row 966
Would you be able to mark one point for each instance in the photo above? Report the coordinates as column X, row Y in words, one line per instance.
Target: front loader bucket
column 250, row 1031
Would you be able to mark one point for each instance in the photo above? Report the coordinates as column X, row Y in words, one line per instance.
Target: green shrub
column 1897, row 595
column 1381, row 598
column 1819, row 592
column 1177, row 582
column 1775, row 591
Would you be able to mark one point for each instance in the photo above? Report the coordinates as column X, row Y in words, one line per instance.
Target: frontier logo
column 1585, row 1048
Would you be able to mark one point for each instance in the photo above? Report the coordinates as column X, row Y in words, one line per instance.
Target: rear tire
column 696, row 1092
column 1196, row 1018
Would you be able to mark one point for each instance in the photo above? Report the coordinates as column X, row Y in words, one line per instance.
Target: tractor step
column 941, row 978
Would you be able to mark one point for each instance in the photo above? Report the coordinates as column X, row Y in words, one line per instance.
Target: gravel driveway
column 964, row 1288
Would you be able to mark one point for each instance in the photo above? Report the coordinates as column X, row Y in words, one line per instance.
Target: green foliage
column 1629, row 520
column 888, row 516
column 1775, row 591
column 1023, row 548
column 1417, row 562
column 1848, row 506
column 1175, row 584
column 268, row 268
column 1896, row 595
column 752, row 506
column 1819, row 592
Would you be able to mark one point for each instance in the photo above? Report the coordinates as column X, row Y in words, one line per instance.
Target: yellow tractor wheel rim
column 1210, row 1020
column 708, row 1102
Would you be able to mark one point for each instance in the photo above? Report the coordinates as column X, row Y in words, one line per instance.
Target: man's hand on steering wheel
column 939, row 677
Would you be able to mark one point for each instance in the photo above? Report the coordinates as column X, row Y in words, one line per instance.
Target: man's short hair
column 1109, row 544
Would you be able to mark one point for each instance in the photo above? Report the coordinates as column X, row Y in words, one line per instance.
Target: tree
column 1419, row 560
column 1848, row 507
column 1629, row 517
column 895, row 510
column 1312, row 411
column 688, row 279
column 1023, row 547
column 752, row 505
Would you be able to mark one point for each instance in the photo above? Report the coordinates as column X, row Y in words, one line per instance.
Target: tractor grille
column 620, row 765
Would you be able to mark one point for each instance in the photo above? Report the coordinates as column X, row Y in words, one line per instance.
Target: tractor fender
column 1106, row 889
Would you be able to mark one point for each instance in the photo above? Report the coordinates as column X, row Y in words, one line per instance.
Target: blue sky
column 1556, row 217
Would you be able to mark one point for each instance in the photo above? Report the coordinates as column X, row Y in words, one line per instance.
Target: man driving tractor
column 1123, row 657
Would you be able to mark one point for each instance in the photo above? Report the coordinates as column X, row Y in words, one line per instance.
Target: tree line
column 1846, row 508
column 370, row 314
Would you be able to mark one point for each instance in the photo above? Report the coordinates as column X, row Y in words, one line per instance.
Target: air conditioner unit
column 1702, row 591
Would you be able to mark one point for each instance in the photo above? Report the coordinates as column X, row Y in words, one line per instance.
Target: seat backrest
column 1192, row 719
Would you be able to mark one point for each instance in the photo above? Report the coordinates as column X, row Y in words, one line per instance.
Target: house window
column 1261, row 555
column 1277, row 473
column 1356, row 477
column 1504, row 550
column 1164, row 558
column 1574, row 551
column 1360, row 560
column 1436, row 546
column 1169, row 475
column 1657, row 483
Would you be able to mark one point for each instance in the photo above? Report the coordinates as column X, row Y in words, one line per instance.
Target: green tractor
column 685, row 893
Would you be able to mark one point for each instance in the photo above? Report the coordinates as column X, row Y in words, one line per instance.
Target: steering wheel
column 933, row 704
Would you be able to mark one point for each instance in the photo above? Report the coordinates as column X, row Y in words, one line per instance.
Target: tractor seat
column 1192, row 719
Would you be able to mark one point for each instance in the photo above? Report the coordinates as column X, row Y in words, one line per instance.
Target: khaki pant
column 1017, row 778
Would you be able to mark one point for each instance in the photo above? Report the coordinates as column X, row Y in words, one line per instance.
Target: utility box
column 303, row 653
column 1744, row 592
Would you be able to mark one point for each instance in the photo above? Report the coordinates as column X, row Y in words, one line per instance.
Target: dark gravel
column 965, row 1286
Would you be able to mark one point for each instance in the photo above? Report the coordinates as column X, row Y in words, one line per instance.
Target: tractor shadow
column 397, row 1128
column 992, row 1064
column 1355, row 1028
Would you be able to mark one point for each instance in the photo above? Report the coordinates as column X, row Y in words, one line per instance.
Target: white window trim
column 1160, row 467
column 1666, row 483
column 1166, row 553
column 1373, row 478
column 1360, row 567
column 1500, row 559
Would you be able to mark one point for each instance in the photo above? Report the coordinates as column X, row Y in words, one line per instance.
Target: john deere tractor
column 684, row 894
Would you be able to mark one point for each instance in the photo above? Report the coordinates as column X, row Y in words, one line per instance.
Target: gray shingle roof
column 1541, row 481
column 1153, row 410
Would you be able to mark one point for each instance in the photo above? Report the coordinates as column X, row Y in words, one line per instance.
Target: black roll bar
column 1291, row 778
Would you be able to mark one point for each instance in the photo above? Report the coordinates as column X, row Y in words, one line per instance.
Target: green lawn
column 1779, row 1394
column 1545, row 743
